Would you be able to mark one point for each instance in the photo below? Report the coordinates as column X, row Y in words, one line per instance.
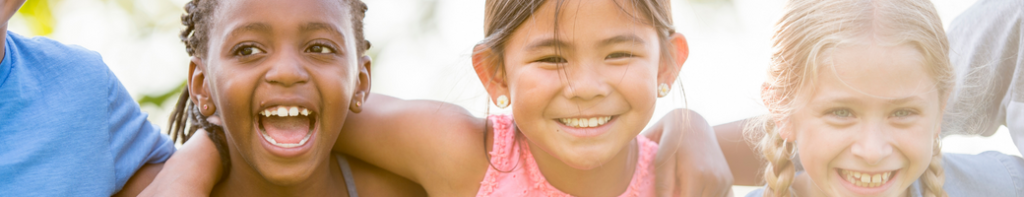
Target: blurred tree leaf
column 39, row 17
column 159, row 100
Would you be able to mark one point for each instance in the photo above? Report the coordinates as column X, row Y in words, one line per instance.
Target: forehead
column 282, row 14
column 579, row 20
column 874, row 71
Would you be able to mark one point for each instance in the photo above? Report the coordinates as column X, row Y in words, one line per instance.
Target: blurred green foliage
column 39, row 16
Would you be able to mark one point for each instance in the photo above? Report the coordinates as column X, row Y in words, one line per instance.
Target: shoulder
column 56, row 60
column 986, row 174
column 375, row 181
column 47, row 51
column 756, row 193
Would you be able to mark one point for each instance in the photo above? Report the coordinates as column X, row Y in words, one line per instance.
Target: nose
column 873, row 145
column 287, row 71
column 584, row 83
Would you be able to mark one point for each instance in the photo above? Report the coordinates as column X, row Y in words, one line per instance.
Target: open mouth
column 286, row 126
column 865, row 179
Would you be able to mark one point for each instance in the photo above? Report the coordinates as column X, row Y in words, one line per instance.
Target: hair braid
column 780, row 169
column 935, row 176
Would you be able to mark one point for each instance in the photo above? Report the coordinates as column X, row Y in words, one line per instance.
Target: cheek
column 819, row 145
column 917, row 146
column 531, row 89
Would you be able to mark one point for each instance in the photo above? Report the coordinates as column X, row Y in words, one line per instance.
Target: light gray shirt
column 987, row 55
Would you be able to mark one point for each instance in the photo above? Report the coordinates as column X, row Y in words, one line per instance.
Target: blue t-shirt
column 67, row 126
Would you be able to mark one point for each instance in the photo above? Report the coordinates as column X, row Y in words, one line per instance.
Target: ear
column 198, row 89
column 668, row 71
column 362, row 85
column 785, row 132
column 490, row 72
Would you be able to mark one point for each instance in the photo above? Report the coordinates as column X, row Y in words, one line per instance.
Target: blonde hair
column 807, row 29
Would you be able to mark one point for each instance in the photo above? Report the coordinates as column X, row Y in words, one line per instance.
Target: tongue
column 286, row 130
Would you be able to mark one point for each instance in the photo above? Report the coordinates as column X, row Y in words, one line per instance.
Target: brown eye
column 619, row 55
column 319, row 49
column 552, row 59
column 248, row 50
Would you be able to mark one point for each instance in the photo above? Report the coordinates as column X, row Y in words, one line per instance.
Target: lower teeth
column 286, row 145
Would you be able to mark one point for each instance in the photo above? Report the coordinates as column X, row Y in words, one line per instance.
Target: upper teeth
column 866, row 180
column 585, row 122
column 285, row 111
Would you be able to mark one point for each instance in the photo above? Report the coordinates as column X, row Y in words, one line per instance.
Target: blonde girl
column 856, row 88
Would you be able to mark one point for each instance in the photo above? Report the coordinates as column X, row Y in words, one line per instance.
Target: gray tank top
column 346, row 171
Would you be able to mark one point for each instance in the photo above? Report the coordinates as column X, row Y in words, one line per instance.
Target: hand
column 689, row 160
column 192, row 171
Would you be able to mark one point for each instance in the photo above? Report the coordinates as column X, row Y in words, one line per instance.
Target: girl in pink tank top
column 581, row 78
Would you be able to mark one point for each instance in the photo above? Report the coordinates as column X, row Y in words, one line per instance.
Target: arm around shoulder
column 428, row 142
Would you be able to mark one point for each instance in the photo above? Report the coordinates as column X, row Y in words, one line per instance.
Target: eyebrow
column 547, row 43
column 903, row 100
column 622, row 39
column 851, row 100
column 251, row 27
column 318, row 26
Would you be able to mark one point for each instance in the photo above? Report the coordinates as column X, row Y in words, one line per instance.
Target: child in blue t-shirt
column 67, row 125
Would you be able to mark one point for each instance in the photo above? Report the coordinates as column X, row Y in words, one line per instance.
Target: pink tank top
column 525, row 178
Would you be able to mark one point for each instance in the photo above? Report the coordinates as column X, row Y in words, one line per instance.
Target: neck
column 243, row 180
column 610, row 179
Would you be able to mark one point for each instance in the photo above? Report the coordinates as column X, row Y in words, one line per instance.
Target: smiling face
column 281, row 75
column 583, row 91
column 868, row 124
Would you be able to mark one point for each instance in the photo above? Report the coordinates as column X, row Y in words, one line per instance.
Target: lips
column 286, row 126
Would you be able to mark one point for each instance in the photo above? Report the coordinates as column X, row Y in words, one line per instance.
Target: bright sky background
column 729, row 45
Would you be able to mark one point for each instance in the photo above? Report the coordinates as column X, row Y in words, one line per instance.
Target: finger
column 664, row 179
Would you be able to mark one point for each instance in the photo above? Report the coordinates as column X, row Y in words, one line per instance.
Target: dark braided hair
column 197, row 21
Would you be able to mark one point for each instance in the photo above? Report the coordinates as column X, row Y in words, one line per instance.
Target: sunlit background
column 421, row 50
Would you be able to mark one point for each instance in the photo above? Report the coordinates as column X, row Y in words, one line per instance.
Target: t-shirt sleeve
column 134, row 141
column 984, row 50
column 987, row 174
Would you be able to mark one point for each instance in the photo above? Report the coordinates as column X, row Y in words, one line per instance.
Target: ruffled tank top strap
column 504, row 154
column 505, row 151
column 643, row 177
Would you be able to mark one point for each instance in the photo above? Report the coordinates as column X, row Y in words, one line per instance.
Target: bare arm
column 744, row 161
column 192, row 171
column 436, row 144
column 140, row 180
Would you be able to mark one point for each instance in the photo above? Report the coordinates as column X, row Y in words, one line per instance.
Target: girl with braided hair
column 272, row 82
column 857, row 89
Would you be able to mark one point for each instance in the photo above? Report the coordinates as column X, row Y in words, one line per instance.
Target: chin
column 286, row 177
column 588, row 160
